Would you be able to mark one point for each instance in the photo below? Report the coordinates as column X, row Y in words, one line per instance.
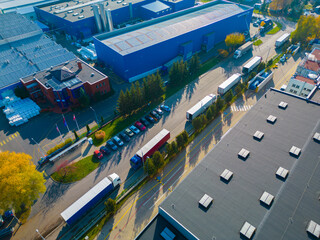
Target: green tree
column 173, row 73
column 20, row 182
column 21, row 92
column 75, row 134
column 228, row 96
column 169, row 149
column 101, row 120
column 84, row 99
column 194, row 64
column 122, row 107
column 203, row 120
column 185, row 136
column 157, row 159
column 234, row 39
column 174, row 146
column 196, row 123
column 88, row 128
column 219, row 103
column 149, row 167
column 238, row 90
column 180, row 141
column 261, row 66
column 209, row 114
column 128, row 102
column 213, row 109
column 308, row 27
column 111, row 206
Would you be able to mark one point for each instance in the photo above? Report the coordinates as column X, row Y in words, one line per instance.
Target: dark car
column 6, row 232
column 144, row 121
column 140, row 126
column 124, row 137
column 105, row 150
column 150, row 119
column 1, row 221
column 98, row 154
column 155, row 114
column 129, row 132
column 112, row 145
column 8, row 214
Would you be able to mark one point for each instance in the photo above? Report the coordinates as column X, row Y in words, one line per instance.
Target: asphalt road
column 45, row 213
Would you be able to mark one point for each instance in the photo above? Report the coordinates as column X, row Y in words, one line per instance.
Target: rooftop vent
column 266, row 198
column 167, row 234
column 244, row 153
column 247, row 230
column 124, row 4
column 271, row 119
column 282, row 172
column 258, row 135
column 119, row 1
column 283, row 105
column 226, row 175
column 295, row 151
column 314, row 229
column 205, row 201
column 81, row 16
column 92, row 74
column 316, row 137
column 70, row 11
column 75, row 14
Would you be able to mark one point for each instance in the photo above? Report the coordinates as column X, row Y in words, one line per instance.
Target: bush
column 59, row 146
column 196, row 123
column 228, row 97
column 157, row 160
column 100, row 135
column 223, row 53
column 185, row 136
column 209, row 114
column 174, row 147
column 149, row 167
column 110, row 206
column 180, row 141
column 238, row 89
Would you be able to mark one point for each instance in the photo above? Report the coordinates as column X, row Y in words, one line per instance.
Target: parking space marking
column 9, row 138
column 4, row 142
column 1, row 144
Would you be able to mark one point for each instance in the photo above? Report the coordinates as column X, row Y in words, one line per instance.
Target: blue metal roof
column 162, row 30
column 156, row 6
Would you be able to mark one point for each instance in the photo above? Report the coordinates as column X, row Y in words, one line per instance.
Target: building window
column 97, row 86
column 297, row 86
column 291, row 90
column 293, row 85
column 100, row 84
column 104, row 83
column 295, row 92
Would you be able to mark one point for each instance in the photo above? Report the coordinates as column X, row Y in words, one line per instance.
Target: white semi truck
column 242, row 50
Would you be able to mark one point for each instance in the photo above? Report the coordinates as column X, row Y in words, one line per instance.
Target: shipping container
column 200, row 107
column 254, row 62
column 229, row 83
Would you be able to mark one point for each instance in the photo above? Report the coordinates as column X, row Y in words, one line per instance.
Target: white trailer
column 229, row 83
column 251, row 64
column 242, row 50
column 200, row 107
column 281, row 40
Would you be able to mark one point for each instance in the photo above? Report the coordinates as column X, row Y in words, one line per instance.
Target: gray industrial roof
column 235, row 202
column 156, row 6
column 82, row 8
column 75, row 76
column 10, row 5
column 164, row 29
column 25, row 49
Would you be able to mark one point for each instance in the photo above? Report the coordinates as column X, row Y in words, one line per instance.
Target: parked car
column 8, row 214
column 129, row 132
column 111, row 145
column 117, row 141
column 124, row 137
column 98, row 154
column 256, row 24
column 283, row 59
column 150, row 119
column 140, row 126
column 159, row 111
column 1, row 221
column 283, row 87
column 165, row 108
column 134, row 129
column 6, row 232
column 104, row 150
column 144, row 121
column 155, row 114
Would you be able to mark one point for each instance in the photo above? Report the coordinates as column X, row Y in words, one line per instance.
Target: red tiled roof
column 316, row 53
column 313, row 66
column 306, row 80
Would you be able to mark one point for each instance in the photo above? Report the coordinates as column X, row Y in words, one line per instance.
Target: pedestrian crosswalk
column 9, row 138
column 241, row 108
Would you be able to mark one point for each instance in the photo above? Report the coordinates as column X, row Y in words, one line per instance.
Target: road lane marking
column 4, row 142
column 1, row 144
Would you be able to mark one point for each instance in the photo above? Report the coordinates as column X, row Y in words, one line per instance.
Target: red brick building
column 61, row 85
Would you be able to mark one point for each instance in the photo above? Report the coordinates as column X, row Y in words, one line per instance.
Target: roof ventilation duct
column 97, row 18
column 110, row 23
column 103, row 17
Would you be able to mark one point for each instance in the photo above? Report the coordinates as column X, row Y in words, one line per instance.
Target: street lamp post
column 95, row 114
column 40, row 234
column 41, row 149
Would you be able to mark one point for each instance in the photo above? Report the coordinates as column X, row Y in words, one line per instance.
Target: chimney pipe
column 110, row 23
column 103, row 17
column 97, row 18
column 79, row 65
column 131, row 10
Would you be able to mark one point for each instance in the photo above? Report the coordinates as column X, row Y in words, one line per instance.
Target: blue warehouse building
column 136, row 51
column 82, row 19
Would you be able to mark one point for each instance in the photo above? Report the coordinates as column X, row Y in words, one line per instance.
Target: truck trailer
column 200, row 107
column 251, row 64
column 229, row 83
column 242, row 50
column 90, row 199
column 281, row 40
column 147, row 150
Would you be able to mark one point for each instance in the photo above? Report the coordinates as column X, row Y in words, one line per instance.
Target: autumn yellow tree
column 20, row 182
column 308, row 27
column 234, row 39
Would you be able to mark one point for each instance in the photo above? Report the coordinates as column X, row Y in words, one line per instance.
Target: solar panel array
column 29, row 54
column 159, row 32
